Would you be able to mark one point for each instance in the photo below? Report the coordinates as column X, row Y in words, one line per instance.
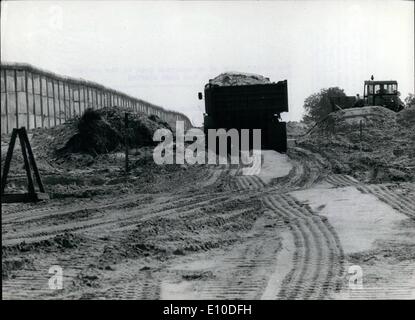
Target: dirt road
column 211, row 232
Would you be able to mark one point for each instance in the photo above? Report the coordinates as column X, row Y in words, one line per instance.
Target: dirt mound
column 344, row 120
column 372, row 144
column 406, row 117
column 103, row 131
column 238, row 79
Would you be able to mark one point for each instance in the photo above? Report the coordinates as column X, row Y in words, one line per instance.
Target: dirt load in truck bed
column 238, row 79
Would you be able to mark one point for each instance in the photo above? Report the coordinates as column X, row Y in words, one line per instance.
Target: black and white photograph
column 209, row 151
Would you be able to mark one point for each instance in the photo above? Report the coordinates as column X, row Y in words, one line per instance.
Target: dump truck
column 375, row 93
column 247, row 101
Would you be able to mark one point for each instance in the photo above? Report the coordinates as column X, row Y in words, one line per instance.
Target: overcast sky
column 164, row 52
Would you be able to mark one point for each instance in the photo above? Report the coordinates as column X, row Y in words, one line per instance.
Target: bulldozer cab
column 382, row 93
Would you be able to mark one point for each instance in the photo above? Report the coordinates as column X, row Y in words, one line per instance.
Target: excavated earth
column 299, row 229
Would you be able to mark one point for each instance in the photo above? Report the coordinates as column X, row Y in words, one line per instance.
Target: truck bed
column 246, row 106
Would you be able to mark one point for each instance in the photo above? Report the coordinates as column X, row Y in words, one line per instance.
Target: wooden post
column 30, row 186
column 32, row 160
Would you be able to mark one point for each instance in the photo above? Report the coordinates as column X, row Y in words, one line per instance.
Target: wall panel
column 34, row 98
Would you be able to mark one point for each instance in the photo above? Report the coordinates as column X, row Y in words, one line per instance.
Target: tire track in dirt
column 314, row 167
column 317, row 265
column 395, row 199
column 249, row 183
column 103, row 220
column 308, row 169
column 26, row 212
column 318, row 241
column 246, row 282
column 244, row 271
column 341, row 180
column 130, row 287
column 102, row 230
column 384, row 192
column 105, row 204
column 129, row 284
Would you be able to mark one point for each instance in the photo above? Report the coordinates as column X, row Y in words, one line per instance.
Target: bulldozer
column 382, row 93
column 375, row 93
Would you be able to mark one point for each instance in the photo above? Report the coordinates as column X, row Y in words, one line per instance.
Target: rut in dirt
column 318, row 257
column 387, row 193
column 47, row 223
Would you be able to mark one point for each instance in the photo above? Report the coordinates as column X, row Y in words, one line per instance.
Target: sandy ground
column 274, row 165
column 290, row 232
column 369, row 228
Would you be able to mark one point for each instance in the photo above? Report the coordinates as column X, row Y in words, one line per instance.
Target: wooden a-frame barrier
column 29, row 161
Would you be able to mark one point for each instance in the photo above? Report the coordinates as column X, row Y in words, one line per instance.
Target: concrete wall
column 35, row 98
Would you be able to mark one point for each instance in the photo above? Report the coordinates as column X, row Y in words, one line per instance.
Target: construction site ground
column 293, row 231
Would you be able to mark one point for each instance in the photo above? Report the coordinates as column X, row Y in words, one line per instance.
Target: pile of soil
column 343, row 120
column 79, row 141
column 103, row 131
column 238, row 79
column 406, row 117
column 373, row 144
